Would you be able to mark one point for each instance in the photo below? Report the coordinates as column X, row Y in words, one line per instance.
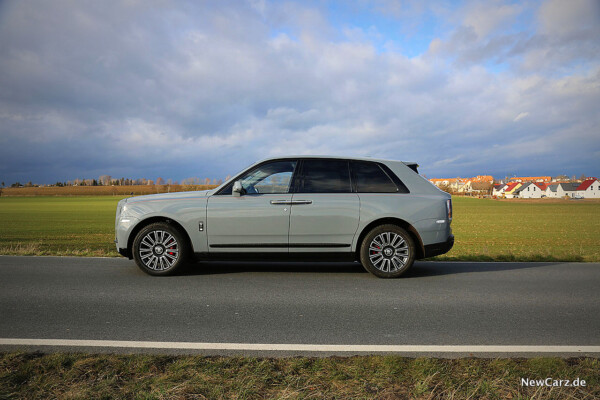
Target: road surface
column 438, row 308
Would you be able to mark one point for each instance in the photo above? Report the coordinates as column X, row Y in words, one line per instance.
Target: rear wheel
column 387, row 251
column 160, row 249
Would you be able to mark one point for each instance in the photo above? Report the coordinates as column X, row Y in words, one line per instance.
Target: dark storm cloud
column 147, row 89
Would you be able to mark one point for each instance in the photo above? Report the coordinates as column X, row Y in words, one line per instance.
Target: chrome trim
column 281, row 202
column 301, row 201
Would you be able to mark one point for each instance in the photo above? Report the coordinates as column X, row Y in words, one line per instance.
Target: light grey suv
column 381, row 213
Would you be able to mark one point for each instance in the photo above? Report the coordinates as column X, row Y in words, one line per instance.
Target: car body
column 294, row 208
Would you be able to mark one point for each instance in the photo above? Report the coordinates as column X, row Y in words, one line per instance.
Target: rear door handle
column 301, row 202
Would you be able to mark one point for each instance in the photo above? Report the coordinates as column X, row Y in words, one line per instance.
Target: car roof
column 338, row 157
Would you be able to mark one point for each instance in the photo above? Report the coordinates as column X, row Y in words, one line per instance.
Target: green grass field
column 81, row 376
column 537, row 230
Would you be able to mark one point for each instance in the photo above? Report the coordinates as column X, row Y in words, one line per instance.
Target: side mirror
column 237, row 190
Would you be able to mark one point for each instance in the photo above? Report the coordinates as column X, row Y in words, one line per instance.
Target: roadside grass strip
column 88, row 376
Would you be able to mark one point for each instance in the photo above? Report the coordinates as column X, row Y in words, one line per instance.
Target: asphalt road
column 436, row 303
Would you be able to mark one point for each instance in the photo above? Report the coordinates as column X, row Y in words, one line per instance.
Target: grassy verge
column 485, row 230
column 87, row 376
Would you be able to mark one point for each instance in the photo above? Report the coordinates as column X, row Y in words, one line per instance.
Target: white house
column 589, row 189
column 531, row 190
column 566, row 189
column 551, row 190
column 498, row 190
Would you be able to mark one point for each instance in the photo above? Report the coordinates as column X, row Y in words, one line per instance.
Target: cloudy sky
column 204, row 88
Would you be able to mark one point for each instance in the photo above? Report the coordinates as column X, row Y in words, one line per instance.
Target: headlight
column 121, row 207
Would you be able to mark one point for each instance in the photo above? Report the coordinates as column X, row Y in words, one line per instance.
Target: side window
column 271, row 178
column 325, row 176
column 370, row 178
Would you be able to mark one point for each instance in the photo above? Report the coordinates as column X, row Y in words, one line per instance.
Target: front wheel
column 160, row 249
column 387, row 251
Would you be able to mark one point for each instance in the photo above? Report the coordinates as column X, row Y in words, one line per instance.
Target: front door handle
column 288, row 202
column 301, row 202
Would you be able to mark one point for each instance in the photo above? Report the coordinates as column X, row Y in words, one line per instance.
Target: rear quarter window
column 370, row 178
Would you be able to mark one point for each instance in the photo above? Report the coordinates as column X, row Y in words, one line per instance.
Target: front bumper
column 124, row 253
column 123, row 228
column 436, row 249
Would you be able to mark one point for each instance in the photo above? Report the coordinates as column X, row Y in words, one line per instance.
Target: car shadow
column 420, row 269
column 423, row 269
column 230, row 267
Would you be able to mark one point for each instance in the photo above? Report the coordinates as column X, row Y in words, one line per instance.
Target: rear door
column 325, row 211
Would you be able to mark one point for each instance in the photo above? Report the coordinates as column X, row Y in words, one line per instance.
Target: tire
column 160, row 249
column 387, row 251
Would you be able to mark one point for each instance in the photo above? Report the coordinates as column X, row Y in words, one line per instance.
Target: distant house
column 532, row 190
column 498, row 189
column 523, row 179
column 443, row 181
column 551, row 190
column 483, row 178
column 567, row 189
column 450, row 183
column 462, row 185
column 509, row 191
column 480, row 188
column 589, row 189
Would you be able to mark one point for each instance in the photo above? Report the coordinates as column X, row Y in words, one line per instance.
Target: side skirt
column 311, row 257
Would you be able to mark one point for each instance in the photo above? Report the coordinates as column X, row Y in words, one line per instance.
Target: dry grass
column 38, row 249
column 85, row 376
column 101, row 190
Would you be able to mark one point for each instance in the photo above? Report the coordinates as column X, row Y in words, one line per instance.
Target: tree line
column 107, row 180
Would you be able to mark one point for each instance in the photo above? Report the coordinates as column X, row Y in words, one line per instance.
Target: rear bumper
column 436, row 249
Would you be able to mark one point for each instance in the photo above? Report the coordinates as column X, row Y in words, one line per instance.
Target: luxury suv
column 380, row 213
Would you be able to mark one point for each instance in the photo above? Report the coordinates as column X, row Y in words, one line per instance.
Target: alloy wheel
column 389, row 252
column 158, row 250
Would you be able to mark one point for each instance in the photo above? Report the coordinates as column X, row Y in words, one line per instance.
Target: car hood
column 174, row 196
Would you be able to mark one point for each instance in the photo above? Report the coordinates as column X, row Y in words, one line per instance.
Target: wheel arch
column 144, row 223
column 395, row 221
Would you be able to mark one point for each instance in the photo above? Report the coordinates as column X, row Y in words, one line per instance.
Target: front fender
column 186, row 212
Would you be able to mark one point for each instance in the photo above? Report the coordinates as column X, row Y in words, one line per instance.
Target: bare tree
column 104, row 180
column 160, row 181
column 191, row 181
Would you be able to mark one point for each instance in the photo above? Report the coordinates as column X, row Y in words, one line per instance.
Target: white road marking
column 301, row 347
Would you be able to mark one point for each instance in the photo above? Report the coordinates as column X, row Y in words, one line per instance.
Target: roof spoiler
column 411, row 165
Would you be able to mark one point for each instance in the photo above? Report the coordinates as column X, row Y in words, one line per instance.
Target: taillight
column 449, row 209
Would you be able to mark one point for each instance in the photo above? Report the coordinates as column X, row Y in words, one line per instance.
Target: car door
column 257, row 220
column 325, row 211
